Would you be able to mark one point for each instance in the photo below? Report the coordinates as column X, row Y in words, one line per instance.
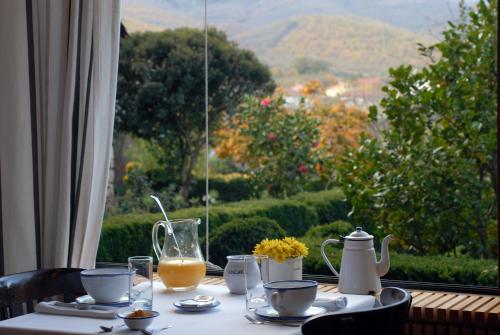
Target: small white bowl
column 106, row 285
column 138, row 323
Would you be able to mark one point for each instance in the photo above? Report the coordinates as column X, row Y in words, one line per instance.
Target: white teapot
column 360, row 272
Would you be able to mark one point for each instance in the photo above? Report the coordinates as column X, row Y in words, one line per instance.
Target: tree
column 161, row 90
column 312, row 87
column 277, row 144
column 305, row 65
column 339, row 128
column 431, row 179
column 340, row 131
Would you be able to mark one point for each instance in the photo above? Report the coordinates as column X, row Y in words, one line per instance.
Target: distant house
column 336, row 90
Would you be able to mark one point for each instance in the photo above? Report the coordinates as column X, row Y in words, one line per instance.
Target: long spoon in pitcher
column 170, row 230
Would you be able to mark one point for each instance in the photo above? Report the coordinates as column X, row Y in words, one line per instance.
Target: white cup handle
column 333, row 241
column 276, row 301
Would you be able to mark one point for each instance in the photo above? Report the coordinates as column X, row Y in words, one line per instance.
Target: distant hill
column 415, row 15
column 343, row 37
column 347, row 45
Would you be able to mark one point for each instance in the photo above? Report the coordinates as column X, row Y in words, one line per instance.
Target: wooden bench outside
column 440, row 313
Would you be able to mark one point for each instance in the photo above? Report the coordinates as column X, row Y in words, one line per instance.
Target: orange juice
column 180, row 274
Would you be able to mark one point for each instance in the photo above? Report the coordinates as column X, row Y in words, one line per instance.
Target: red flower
column 302, row 168
column 271, row 136
column 315, row 144
column 265, row 102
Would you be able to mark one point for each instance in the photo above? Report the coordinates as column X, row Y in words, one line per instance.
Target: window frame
column 429, row 286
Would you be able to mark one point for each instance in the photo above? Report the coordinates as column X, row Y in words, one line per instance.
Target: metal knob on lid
column 359, row 235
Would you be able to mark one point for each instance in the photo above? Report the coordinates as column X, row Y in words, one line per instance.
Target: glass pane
column 311, row 132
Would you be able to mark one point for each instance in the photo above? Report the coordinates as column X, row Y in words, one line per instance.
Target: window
column 293, row 139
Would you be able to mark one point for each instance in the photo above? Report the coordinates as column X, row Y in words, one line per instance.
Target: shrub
column 119, row 239
column 276, row 143
column 236, row 189
column 329, row 205
column 240, row 236
column 331, row 230
column 125, row 235
column 161, row 178
column 295, row 216
column 442, row 269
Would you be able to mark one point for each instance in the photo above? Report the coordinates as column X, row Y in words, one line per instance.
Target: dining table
column 226, row 319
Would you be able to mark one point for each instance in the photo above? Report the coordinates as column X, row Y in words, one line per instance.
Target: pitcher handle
column 326, row 258
column 156, row 245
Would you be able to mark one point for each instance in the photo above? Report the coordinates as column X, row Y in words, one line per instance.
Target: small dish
column 138, row 322
column 190, row 305
column 270, row 314
column 88, row 300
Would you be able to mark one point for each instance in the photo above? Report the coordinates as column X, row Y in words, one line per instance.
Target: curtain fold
column 60, row 90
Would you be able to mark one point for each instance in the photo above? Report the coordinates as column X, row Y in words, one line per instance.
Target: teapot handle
column 333, row 241
column 156, row 245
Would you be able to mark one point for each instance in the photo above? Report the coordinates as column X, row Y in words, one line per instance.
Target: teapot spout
column 383, row 265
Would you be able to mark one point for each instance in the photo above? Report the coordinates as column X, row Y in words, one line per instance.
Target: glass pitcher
column 181, row 266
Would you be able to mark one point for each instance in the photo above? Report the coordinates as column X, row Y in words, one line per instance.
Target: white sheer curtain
column 59, row 61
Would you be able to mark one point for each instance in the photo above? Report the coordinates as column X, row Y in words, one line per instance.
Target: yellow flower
column 132, row 166
column 280, row 250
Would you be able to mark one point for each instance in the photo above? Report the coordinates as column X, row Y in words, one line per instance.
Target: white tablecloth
column 227, row 319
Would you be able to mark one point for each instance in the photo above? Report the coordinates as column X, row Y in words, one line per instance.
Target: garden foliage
column 295, row 216
column 125, row 235
column 330, row 230
column 278, row 144
column 234, row 189
column 239, row 236
column 431, row 177
column 440, row 269
column 161, row 90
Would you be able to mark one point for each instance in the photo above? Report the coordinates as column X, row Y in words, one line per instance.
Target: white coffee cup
column 291, row 297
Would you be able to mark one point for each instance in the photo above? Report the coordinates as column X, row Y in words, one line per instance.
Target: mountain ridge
column 283, row 32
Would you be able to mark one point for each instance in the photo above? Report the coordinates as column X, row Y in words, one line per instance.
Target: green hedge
column 240, row 236
column 329, row 205
column 236, row 189
column 124, row 235
column 330, row 230
column 443, row 269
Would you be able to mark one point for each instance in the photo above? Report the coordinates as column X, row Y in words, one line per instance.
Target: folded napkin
column 331, row 304
column 52, row 307
column 360, row 302
column 346, row 303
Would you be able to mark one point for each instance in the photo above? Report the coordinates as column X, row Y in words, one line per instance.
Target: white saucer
column 269, row 313
column 88, row 300
column 195, row 308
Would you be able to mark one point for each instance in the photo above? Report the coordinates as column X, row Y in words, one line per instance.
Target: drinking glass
column 141, row 289
column 256, row 269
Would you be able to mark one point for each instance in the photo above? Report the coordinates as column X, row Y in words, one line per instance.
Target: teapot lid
column 359, row 235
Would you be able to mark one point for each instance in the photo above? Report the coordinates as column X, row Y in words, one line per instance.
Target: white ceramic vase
column 290, row 269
